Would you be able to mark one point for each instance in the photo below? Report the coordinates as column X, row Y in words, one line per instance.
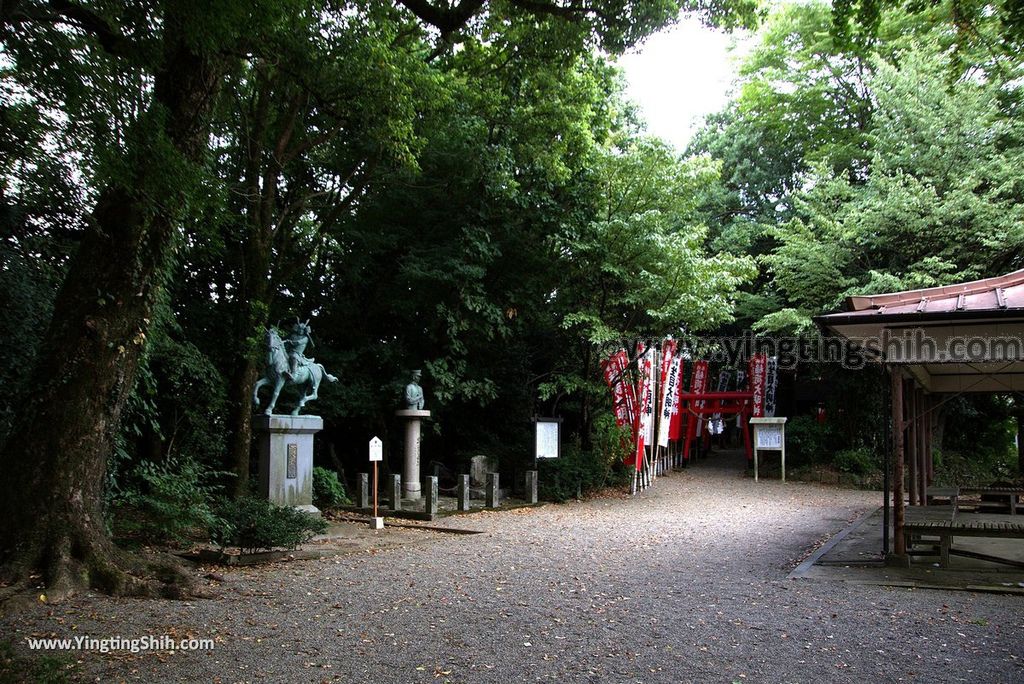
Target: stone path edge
column 391, row 523
column 800, row 572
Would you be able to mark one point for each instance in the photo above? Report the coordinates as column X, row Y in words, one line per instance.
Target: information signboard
column 548, row 437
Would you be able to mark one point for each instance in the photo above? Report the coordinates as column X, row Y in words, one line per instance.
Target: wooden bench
column 951, row 495
column 946, row 525
column 1012, row 493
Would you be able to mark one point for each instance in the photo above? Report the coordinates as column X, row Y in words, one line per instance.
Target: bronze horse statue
column 307, row 376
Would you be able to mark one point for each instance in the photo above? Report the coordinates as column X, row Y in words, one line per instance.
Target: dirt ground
column 686, row 582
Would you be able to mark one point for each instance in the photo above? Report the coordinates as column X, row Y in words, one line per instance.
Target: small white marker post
column 376, row 455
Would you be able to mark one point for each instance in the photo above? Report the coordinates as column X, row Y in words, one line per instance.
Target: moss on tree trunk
column 54, row 463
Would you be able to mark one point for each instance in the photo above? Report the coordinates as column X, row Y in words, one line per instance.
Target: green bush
column 954, row 468
column 582, row 472
column 807, row 441
column 328, row 491
column 253, row 524
column 861, row 461
column 171, row 500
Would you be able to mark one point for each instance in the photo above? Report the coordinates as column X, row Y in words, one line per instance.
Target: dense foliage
column 457, row 187
column 878, row 154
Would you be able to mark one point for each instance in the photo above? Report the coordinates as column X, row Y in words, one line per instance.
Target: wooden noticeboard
column 769, row 435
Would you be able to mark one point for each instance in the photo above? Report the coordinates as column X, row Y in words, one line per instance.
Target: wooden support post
column 896, row 384
column 922, row 447
column 929, row 421
column 911, row 447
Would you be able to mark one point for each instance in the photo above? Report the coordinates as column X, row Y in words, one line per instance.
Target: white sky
column 680, row 75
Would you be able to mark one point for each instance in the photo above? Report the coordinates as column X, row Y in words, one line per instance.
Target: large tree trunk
column 55, row 459
column 1020, row 442
column 252, row 316
column 272, row 113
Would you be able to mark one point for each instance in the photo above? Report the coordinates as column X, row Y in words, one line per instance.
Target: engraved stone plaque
column 293, row 461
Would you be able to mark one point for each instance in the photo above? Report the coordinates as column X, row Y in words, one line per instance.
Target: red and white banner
column 675, row 431
column 670, row 399
column 698, row 385
column 647, row 371
column 758, row 379
column 623, row 399
column 668, row 352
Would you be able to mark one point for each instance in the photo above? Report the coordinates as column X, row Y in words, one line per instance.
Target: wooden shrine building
column 936, row 343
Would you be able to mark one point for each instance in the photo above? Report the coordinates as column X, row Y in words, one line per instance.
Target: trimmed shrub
column 807, row 441
column 328, row 491
column 253, row 524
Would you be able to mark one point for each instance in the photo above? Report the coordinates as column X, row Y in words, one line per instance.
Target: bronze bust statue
column 414, row 393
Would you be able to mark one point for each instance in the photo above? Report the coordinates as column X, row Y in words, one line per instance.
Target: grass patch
column 44, row 669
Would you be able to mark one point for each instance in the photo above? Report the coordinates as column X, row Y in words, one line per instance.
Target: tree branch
column 109, row 38
column 447, row 21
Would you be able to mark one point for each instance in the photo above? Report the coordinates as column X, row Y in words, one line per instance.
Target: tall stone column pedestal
column 286, row 459
column 411, row 471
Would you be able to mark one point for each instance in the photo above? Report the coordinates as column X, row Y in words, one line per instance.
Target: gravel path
column 684, row 583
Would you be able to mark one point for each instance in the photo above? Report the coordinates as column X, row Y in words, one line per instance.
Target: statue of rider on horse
column 287, row 363
column 300, row 337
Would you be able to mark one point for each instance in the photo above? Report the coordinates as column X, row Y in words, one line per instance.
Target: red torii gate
column 742, row 403
column 697, row 404
column 700, row 404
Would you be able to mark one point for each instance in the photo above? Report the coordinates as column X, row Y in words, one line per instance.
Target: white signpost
column 769, row 435
column 376, row 456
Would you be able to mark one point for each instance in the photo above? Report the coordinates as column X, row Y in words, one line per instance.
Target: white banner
column 669, row 399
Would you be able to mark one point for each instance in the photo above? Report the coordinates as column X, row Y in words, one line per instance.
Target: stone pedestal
column 286, row 459
column 411, row 471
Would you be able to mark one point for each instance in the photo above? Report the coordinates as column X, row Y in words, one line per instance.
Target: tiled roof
column 990, row 295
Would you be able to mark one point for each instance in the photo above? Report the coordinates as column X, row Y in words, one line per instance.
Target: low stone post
column 493, row 496
column 463, row 492
column 364, row 490
column 431, row 504
column 396, row 492
column 531, row 486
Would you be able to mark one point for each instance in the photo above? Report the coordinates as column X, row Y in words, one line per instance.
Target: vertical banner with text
column 669, row 397
column 647, row 372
